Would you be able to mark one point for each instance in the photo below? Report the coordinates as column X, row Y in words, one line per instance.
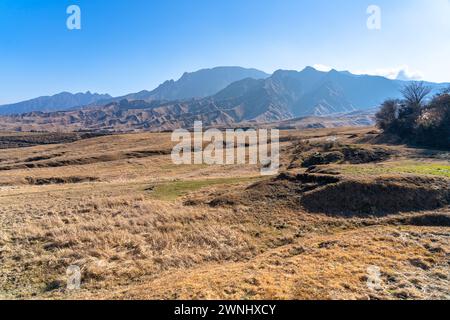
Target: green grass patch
column 434, row 169
column 172, row 190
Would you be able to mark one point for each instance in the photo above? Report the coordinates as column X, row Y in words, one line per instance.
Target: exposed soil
column 55, row 161
column 22, row 140
column 425, row 220
column 379, row 196
column 344, row 196
column 323, row 158
column 59, row 180
column 308, row 154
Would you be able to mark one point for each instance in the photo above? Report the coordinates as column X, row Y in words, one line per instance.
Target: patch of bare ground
column 55, row 161
column 28, row 139
column 345, row 196
column 379, row 195
column 307, row 154
column 59, row 180
column 434, row 219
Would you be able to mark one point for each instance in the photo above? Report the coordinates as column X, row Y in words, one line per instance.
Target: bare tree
column 415, row 93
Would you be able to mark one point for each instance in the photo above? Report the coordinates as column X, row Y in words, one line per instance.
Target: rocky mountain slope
column 61, row 101
column 285, row 95
column 288, row 94
column 199, row 84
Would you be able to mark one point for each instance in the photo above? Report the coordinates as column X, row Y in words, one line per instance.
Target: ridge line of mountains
column 218, row 96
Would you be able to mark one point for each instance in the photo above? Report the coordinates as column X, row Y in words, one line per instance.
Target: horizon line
column 330, row 69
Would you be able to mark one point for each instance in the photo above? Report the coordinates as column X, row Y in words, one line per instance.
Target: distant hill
column 289, row 94
column 199, row 84
column 285, row 95
column 61, row 101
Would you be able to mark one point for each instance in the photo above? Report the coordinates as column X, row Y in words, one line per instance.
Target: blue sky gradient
column 129, row 45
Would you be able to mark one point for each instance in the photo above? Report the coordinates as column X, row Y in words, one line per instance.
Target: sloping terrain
column 61, row 101
column 140, row 227
column 142, row 116
column 199, row 84
column 11, row 140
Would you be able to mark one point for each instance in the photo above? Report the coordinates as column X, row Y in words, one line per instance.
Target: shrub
column 433, row 124
column 417, row 121
column 388, row 115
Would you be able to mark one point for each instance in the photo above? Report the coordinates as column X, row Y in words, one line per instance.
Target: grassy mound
column 323, row 158
column 284, row 190
column 306, row 155
column 29, row 139
column 343, row 196
column 426, row 220
column 347, row 154
column 383, row 195
column 59, row 180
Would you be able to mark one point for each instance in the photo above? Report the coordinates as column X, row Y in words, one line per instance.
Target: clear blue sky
column 129, row 45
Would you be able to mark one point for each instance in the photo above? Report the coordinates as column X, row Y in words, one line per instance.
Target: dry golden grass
column 133, row 236
column 317, row 267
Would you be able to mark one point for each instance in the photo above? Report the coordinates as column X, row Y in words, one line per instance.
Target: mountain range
column 60, row 101
column 198, row 84
column 219, row 96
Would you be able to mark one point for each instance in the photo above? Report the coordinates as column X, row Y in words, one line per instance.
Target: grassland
column 408, row 167
column 175, row 189
column 144, row 228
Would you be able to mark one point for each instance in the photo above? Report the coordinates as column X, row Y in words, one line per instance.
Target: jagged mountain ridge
column 290, row 94
column 199, row 84
column 284, row 95
column 60, row 101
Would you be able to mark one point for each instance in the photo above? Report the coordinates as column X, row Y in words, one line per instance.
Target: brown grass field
column 140, row 227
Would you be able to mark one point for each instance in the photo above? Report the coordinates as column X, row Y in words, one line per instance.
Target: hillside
column 140, row 227
column 253, row 98
column 199, row 84
column 310, row 92
column 143, row 116
column 61, row 101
